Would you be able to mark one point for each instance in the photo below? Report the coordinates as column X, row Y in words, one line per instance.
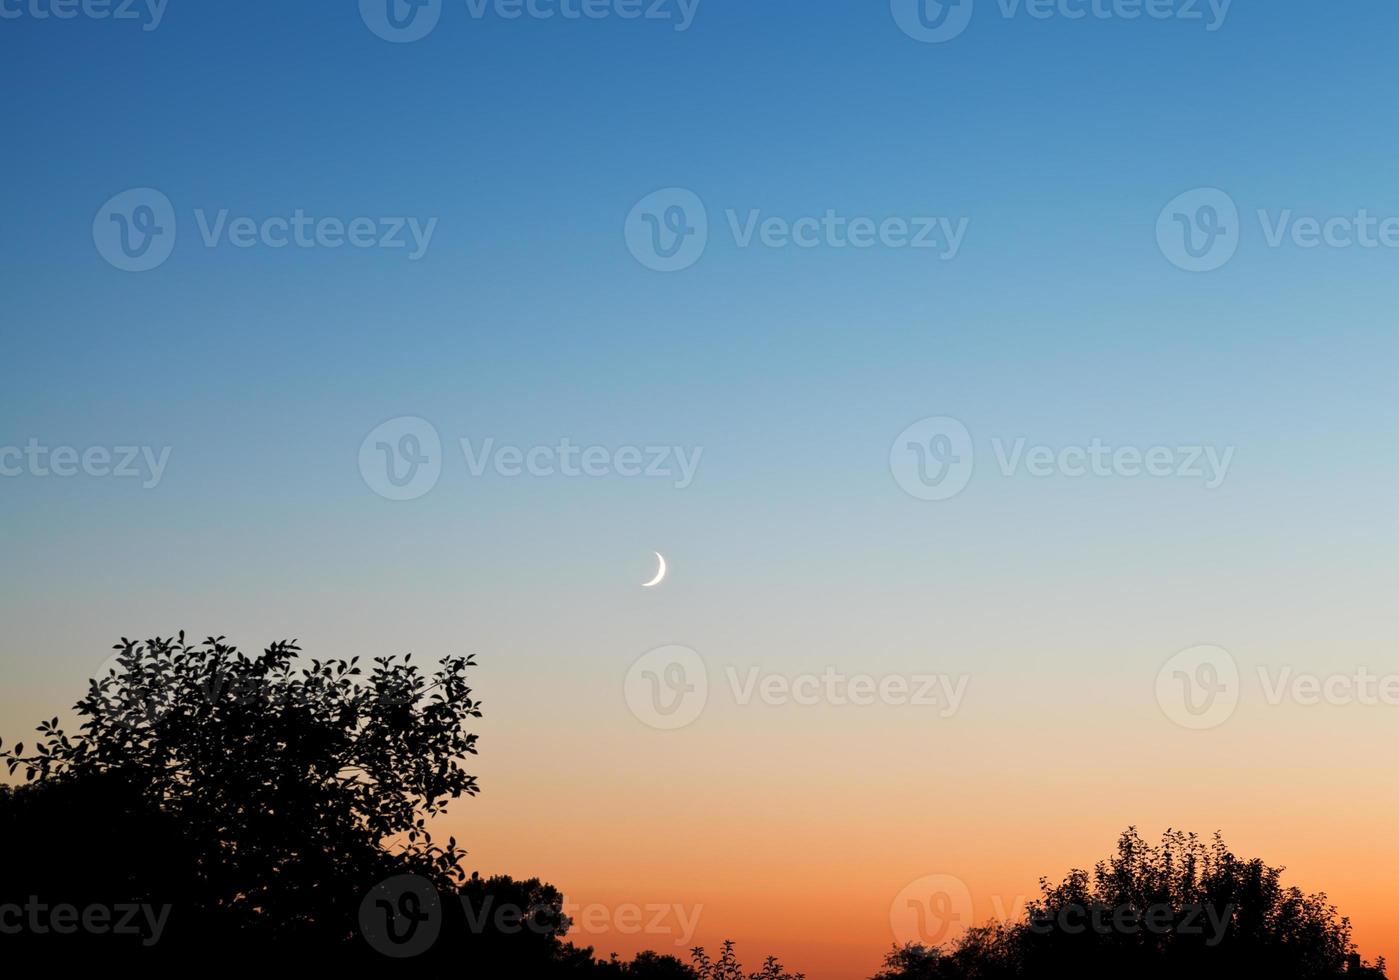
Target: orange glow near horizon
column 801, row 853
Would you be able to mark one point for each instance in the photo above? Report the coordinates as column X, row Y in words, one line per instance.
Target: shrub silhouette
column 1180, row 908
column 649, row 966
column 727, row 967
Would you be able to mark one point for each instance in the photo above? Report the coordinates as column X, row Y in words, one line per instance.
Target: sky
column 1039, row 361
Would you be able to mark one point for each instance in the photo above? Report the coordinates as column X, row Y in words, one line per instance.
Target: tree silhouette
column 267, row 801
column 727, row 967
column 279, row 785
column 276, row 810
column 650, row 966
column 1181, row 908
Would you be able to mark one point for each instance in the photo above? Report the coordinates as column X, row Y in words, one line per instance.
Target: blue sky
column 528, row 320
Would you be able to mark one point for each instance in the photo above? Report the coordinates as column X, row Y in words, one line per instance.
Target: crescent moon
column 660, row 572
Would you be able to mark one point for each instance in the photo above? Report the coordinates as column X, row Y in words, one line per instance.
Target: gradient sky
column 528, row 320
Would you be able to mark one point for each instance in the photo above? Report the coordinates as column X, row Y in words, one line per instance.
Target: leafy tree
column 655, row 966
column 292, row 788
column 986, row 952
column 1180, row 908
column 507, row 924
column 263, row 798
column 727, row 966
